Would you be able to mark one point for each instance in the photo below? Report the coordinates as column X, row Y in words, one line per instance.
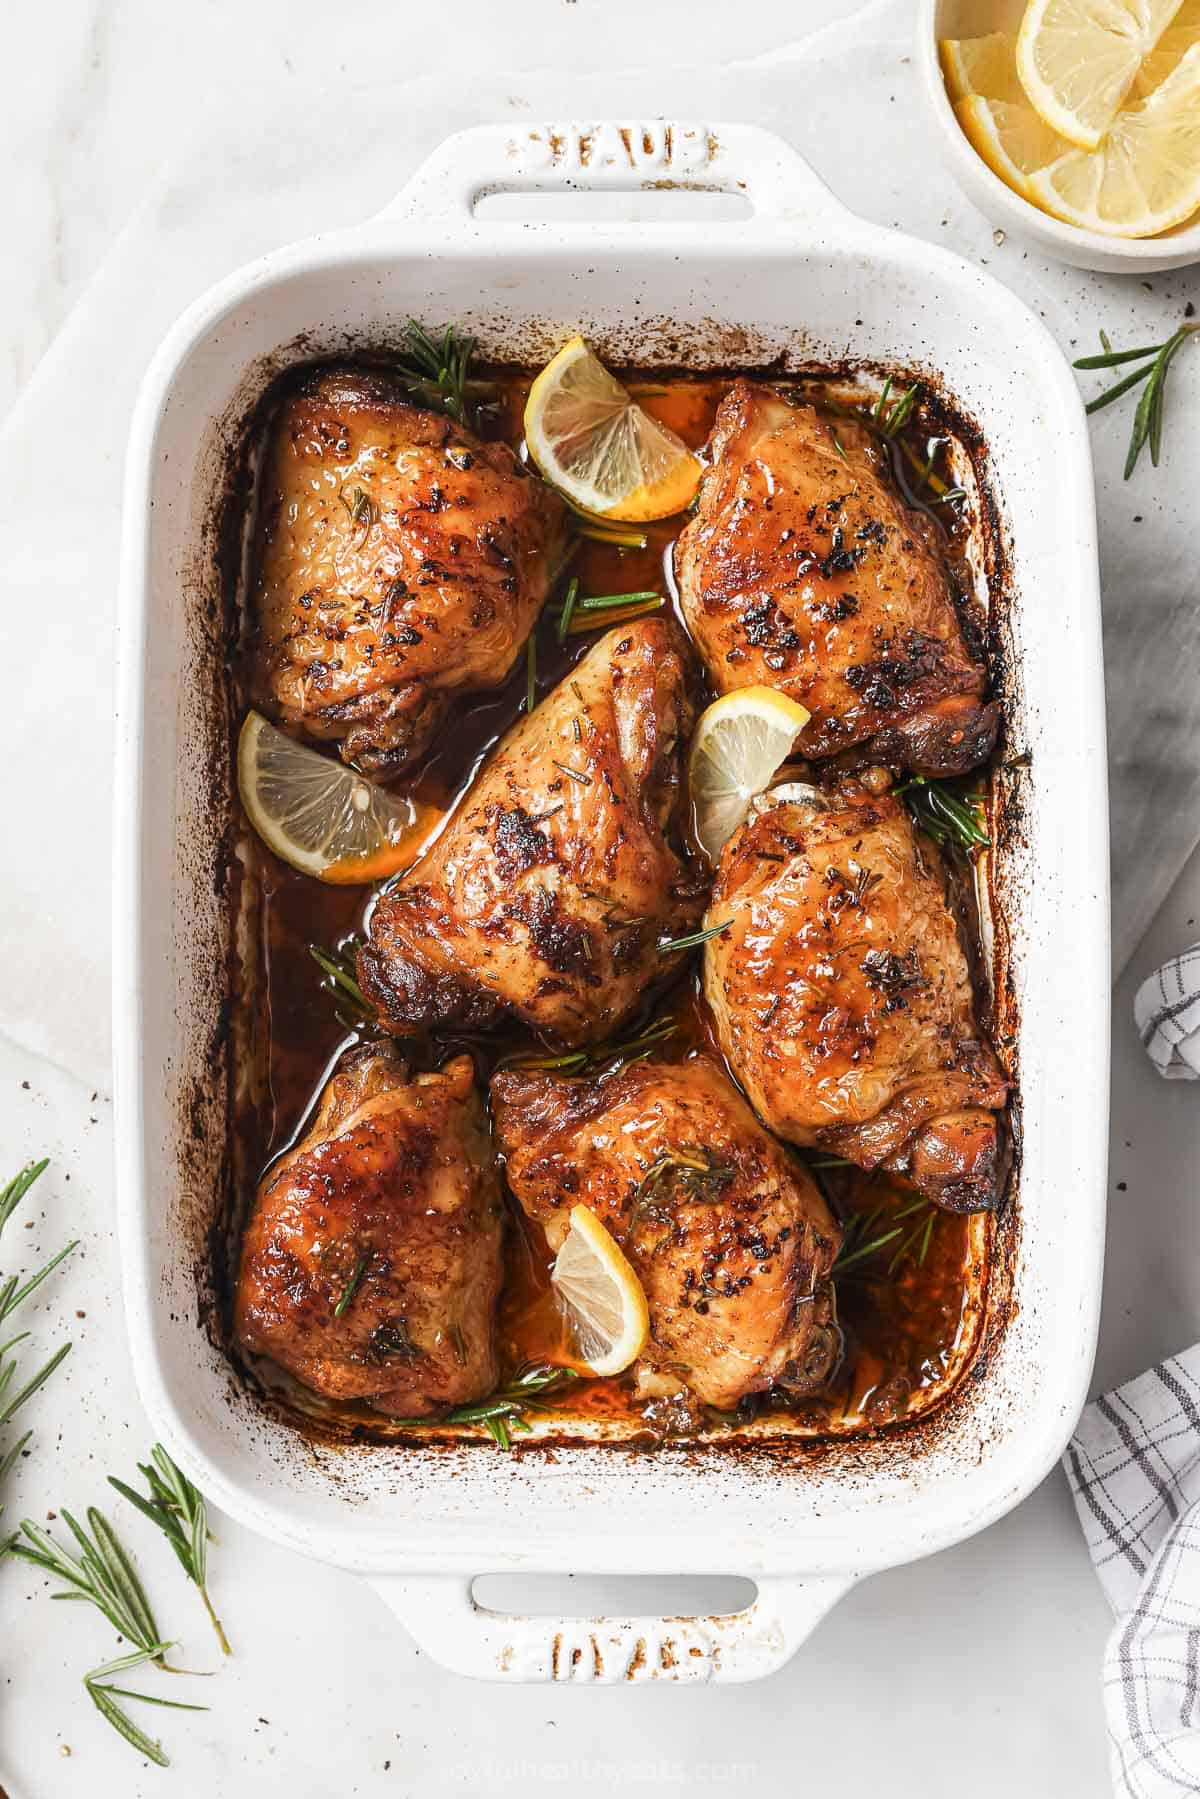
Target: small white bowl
column 1086, row 249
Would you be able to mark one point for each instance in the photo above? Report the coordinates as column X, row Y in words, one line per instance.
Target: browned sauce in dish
column 912, row 1277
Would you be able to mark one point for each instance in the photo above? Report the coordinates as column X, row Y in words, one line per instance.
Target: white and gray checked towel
column 1134, row 1469
column 1167, row 1010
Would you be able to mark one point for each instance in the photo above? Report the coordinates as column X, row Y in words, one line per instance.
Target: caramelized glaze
column 905, row 1329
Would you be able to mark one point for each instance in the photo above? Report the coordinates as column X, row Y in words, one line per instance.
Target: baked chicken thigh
column 548, row 892
column 730, row 1238
column 803, row 570
column 842, row 995
column 372, row 1261
column 400, row 561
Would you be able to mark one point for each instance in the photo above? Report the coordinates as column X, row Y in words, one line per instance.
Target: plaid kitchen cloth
column 1134, row 1470
column 1167, row 1010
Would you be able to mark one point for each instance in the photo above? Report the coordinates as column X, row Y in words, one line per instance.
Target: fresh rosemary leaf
column 18, row 1187
column 12, row 1295
column 1122, row 387
column 583, row 780
column 899, row 413
column 620, row 615
column 104, row 1695
column 860, row 1254
column 30, row 1388
column 1113, row 358
column 668, row 945
column 596, row 602
column 108, row 1708
column 351, row 1287
column 564, row 617
column 8, row 1460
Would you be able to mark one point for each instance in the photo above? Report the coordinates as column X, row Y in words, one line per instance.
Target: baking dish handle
column 449, row 1624
column 618, row 156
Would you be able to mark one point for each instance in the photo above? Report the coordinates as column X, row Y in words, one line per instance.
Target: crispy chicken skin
column 399, row 561
column 549, row 889
column 802, row 570
column 842, row 994
column 393, row 1198
column 732, row 1242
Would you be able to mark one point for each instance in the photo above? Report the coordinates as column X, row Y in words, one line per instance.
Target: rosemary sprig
column 611, row 1056
column 668, row 945
column 688, row 1174
column 863, row 1239
column 102, row 1573
column 611, row 621
column 507, row 1406
column 437, row 366
column 104, row 1695
column 338, row 966
column 597, row 602
column 564, row 617
column 1148, row 416
column 897, row 415
column 178, row 1509
column 888, row 428
column 955, row 823
column 13, row 1292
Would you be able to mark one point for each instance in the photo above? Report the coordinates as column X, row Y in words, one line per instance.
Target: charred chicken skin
column 803, row 570
column 730, row 1237
column 549, row 890
column 842, row 994
column 400, row 561
column 371, row 1264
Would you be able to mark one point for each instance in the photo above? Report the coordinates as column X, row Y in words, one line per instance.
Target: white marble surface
column 981, row 1665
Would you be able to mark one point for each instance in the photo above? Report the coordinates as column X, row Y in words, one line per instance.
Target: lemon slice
column 602, row 1296
column 740, row 741
column 1146, row 175
column 1078, row 59
column 1170, row 50
column 591, row 439
column 981, row 65
column 1010, row 137
column 319, row 816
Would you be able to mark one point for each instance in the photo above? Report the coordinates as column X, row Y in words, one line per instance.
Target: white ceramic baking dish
column 799, row 278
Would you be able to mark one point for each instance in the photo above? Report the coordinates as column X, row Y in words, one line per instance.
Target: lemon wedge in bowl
column 981, row 65
column 589, row 438
column 601, row 1295
column 1145, row 177
column 739, row 743
column 1010, row 138
column 320, row 816
column 1078, row 59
